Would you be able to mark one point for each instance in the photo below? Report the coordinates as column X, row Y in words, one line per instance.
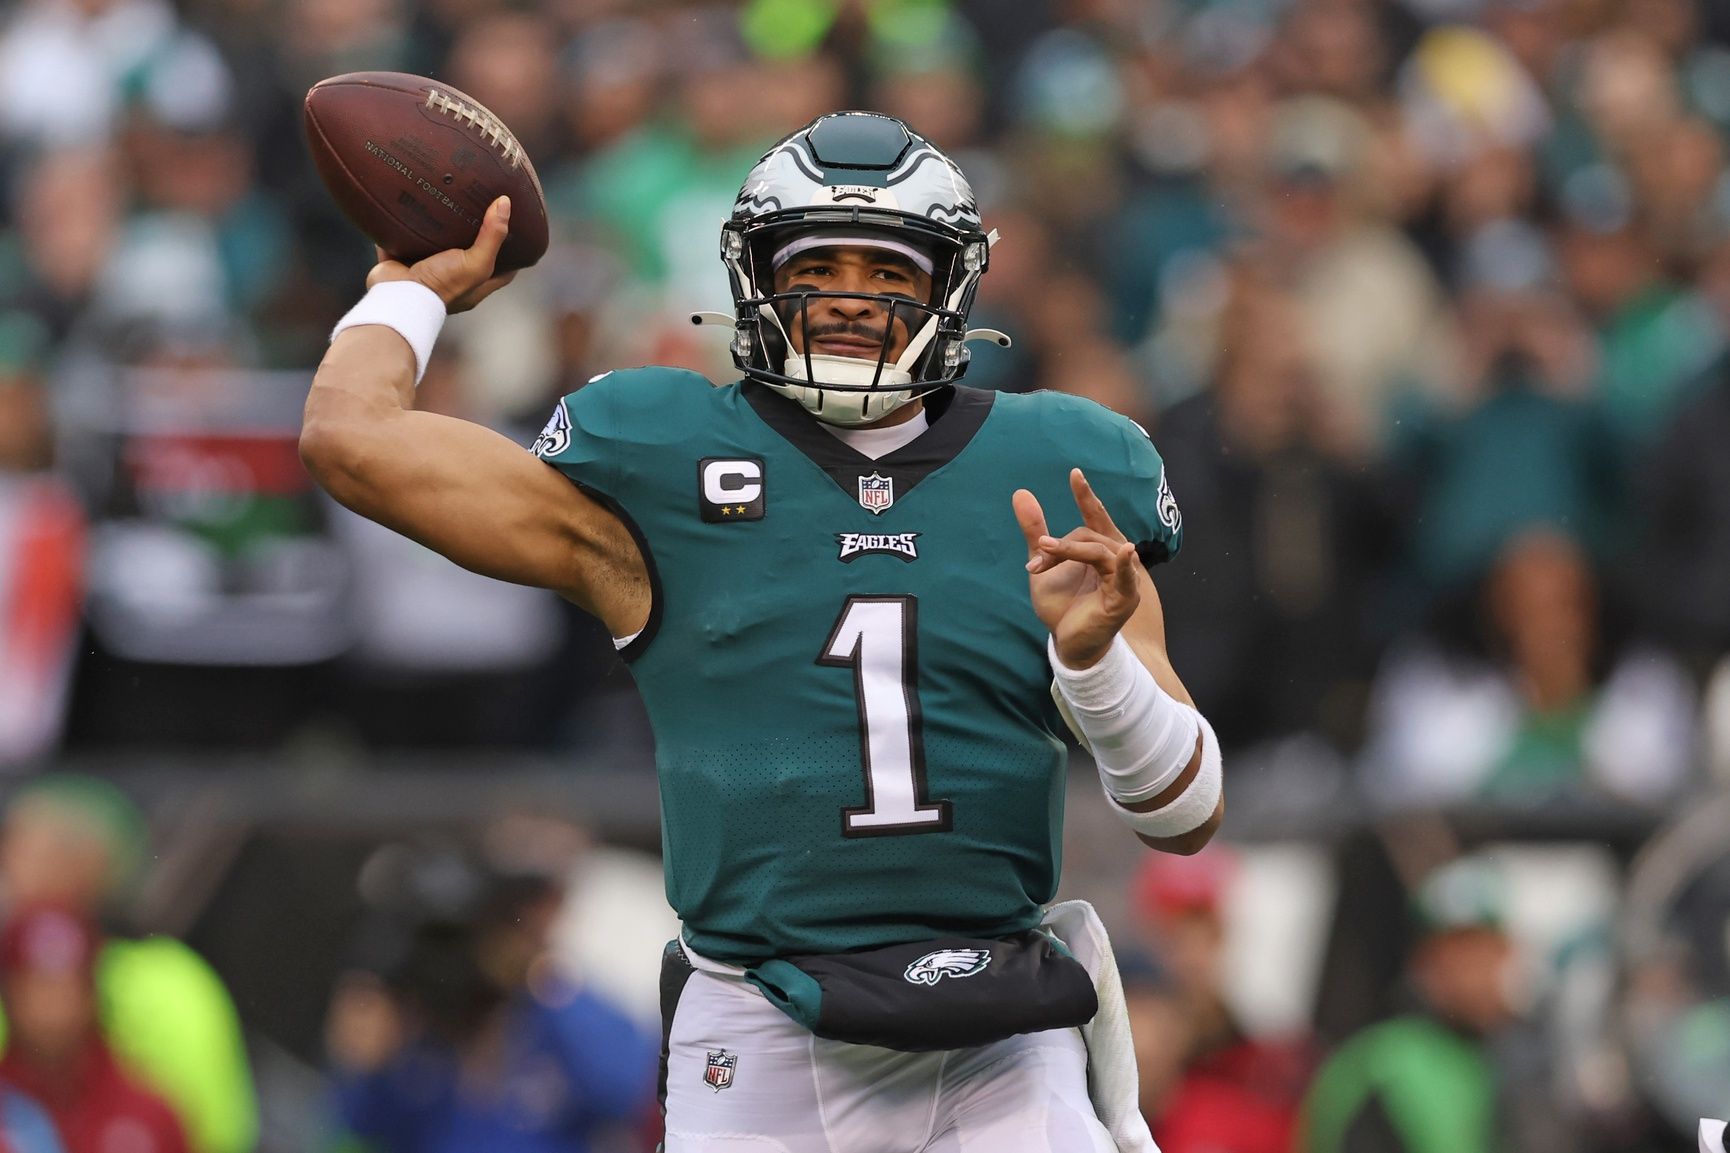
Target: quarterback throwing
column 861, row 602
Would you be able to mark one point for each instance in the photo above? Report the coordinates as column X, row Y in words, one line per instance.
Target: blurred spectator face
column 1333, row 47
column 1543, row 604
column 1670, row 24
column 510, row 943
column 1537, row 334
column 1606, row 269
column 47, row 959
column 1627, row 88
column 322, row 36
column 1265, row 387
column 25, row 439
column 1238, row 109
column 1493, row 184
column 796, row 92
column 1675, row 172
column 1533, row 30
column 1022, row 260
column 50, row 853
column 1068, row 312
column 1464, row 975
column 1316, row 155
column 204, row 173
column 507, row 61
column 1178, row 900
column 613, row 75
column 943, row 105
column 68, row 215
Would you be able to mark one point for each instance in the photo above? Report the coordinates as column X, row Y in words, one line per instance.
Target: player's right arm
column 457, row 487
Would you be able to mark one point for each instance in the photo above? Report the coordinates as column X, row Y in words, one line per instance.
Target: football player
column 860, row 602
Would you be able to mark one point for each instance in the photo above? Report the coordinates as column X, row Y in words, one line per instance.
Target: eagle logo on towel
column 933, row 967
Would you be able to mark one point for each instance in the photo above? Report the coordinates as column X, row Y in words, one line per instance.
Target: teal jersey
column 846, row 680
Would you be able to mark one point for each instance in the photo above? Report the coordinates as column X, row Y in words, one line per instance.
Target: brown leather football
column 414, row 164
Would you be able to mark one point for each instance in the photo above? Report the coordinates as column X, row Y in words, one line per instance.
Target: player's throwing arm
column 458, row 488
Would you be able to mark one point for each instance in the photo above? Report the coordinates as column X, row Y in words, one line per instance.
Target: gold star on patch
column 725, row 511
column 740, row 510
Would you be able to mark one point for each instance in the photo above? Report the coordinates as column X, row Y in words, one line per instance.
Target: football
column 414, row 164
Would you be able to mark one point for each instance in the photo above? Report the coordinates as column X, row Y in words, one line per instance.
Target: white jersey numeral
column 877, row 637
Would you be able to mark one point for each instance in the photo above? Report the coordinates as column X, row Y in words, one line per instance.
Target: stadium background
column 1426, row 302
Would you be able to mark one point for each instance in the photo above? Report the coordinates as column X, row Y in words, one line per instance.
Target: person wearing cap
column 56, row 1052
column 862, row 603
column 1428, row 1081
column 77, row 842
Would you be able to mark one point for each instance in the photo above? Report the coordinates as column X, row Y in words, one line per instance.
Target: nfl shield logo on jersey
column 719, row 1073
column 876, row 493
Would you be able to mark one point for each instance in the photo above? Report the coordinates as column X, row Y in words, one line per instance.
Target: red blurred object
column 1168, row 884
column 1241, row 1098
column 48, row 939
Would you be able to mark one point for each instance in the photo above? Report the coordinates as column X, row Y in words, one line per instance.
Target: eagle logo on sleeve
column 556, row 437
column 1169, row 515
column 933, row 967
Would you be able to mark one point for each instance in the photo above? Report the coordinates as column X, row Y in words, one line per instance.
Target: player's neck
column 884, row 437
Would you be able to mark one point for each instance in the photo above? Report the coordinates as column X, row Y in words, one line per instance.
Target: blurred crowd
column 1425, row 302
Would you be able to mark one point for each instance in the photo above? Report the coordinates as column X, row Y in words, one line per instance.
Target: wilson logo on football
column 933, row 967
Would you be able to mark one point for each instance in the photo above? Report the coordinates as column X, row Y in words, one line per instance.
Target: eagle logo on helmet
column 933, row 967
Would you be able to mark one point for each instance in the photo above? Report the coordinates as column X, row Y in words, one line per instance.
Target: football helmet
column 854, row 178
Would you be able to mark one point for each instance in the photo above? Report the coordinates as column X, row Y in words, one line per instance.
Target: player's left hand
column 1083, row 585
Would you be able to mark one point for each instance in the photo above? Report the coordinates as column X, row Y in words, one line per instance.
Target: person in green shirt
column 1429, row 1080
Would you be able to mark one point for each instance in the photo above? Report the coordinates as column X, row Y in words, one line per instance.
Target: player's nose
column 852, row 307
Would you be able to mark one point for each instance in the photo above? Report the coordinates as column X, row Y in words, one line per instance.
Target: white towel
column 1711, row 1136
column 1112, row 1080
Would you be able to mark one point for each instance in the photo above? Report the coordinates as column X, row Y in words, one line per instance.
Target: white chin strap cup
column 846, row 409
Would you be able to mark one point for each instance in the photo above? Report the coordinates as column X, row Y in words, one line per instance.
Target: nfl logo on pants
column 719, row 1073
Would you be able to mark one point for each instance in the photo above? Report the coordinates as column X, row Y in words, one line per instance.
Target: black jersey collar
column 956, row 413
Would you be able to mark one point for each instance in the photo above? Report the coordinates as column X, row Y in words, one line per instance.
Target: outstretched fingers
column 1093, row 512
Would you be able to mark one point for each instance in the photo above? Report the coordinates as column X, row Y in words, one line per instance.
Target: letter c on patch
column 732, row 481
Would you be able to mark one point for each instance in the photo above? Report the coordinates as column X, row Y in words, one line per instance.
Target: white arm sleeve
column 1141, row 738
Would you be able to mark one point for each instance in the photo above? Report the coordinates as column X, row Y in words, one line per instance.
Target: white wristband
column 1140, row 736
column 1193, row 807
column 408, row 307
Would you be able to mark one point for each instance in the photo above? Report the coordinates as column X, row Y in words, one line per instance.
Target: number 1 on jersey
column 877, row 638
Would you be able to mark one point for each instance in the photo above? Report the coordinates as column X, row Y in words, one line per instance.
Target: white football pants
column 788, row 1091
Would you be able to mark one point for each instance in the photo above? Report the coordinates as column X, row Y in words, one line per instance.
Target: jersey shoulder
column 625, row 404
column 1116, row 454
column 626, row 421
